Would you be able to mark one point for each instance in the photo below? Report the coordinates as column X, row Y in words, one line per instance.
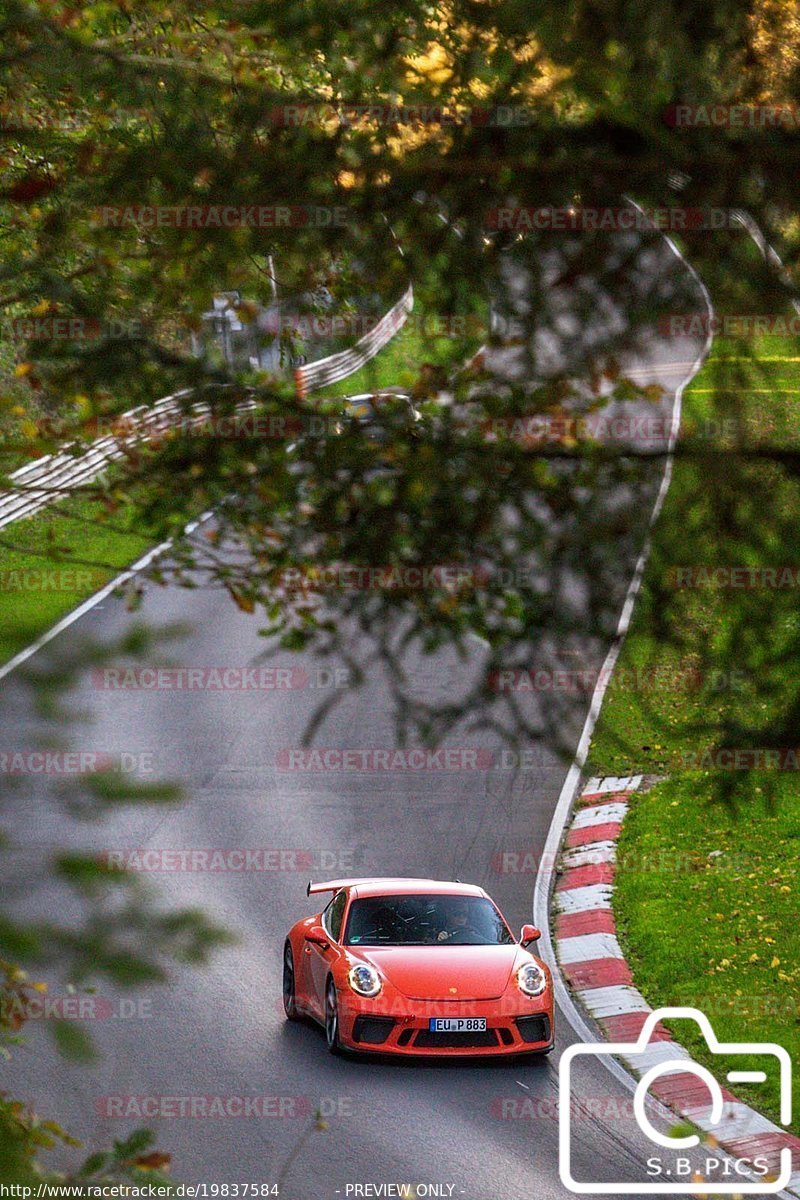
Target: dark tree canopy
column 361, row 144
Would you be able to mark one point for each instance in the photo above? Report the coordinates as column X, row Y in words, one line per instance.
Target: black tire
column 332, row 1020
column 289, row 1000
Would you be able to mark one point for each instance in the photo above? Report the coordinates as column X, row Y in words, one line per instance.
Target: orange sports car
column 417, row 967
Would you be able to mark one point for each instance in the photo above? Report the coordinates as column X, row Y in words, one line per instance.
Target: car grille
column 372, row 1030
column 426, row 1040
column 534, row 1029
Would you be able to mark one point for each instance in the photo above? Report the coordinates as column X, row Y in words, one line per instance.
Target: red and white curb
column 591, row 960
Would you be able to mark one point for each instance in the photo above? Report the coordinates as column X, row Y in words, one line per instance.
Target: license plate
column 457, row 1025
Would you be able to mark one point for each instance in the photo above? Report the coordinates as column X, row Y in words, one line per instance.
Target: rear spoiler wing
column 333, row 885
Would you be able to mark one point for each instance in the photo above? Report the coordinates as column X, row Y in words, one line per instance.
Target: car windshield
column 419, row 920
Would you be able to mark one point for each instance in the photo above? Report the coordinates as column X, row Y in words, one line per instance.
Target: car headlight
column 364, row 979
column 531, row 979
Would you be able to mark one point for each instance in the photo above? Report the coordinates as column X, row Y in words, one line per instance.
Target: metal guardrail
column 336, row 367
column 55, row 475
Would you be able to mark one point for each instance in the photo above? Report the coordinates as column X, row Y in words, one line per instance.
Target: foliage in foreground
column 110, row 110
column 112, row 116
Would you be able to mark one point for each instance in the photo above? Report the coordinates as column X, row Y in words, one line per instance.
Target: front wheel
column 289, row 998
column 332, row 1020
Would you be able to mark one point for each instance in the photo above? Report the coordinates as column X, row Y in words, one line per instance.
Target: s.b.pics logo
column 696, row 1094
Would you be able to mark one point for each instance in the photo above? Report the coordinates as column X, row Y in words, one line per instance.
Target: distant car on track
column 417, row 967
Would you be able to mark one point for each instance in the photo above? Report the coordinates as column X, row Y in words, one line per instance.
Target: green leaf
column 73, row 1041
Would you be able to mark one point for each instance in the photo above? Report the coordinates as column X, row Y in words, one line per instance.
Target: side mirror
column 317, row 935
column 529, row 934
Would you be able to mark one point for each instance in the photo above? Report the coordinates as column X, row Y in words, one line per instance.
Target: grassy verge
column 428, row 338
column 706, row 896
column 708, row 918
column 54, row 560
column 690, row 664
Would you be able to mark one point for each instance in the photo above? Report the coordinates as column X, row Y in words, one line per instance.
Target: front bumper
column 377, row 1029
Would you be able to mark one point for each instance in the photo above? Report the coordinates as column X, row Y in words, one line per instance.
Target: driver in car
column 457, row 926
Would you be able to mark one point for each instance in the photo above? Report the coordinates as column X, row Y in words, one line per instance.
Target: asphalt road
column 483, row 1130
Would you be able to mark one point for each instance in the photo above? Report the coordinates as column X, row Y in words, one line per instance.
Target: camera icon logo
column 653, row 1059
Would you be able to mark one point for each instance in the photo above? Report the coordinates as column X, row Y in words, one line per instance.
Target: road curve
column 481, row 1130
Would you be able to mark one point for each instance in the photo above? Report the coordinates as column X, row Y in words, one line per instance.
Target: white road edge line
column 140, row 565
column 544, row 878
column 543, row 885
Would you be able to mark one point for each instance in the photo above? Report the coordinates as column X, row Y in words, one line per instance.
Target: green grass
column 88, row 547
column 707, row 914
column 420, row 341
column 717, row 931
column 696, row 659
column 51, row 562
